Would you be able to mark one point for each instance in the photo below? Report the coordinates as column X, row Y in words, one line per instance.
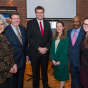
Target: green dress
column 61, row 71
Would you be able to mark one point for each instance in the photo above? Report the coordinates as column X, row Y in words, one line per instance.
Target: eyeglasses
column 39, row 12
column 85, row 24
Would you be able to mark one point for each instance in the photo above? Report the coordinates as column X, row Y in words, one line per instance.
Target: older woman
column 84, row 58
column 7, row 63
column 58, row 54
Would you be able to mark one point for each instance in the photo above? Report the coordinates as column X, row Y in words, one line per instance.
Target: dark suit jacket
column 19, row 49
column 35, row 39
column 74, row 51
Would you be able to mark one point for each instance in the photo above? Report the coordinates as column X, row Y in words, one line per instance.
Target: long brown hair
column 86, row 42
column 63, row 35
column 86, row 38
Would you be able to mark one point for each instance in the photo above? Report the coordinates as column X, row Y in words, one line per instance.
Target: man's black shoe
column 47, row 87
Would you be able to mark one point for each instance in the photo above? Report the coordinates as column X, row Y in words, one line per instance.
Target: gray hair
column 2, row 18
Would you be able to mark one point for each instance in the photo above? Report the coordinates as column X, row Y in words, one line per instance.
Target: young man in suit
column 39, row 37
column 16, row 35
column 75, row 38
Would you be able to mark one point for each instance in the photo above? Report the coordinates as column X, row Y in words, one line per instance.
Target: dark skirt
column 83, row 75
column 8, row 83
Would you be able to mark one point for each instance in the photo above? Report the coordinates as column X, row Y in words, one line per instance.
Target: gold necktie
column 18, row 34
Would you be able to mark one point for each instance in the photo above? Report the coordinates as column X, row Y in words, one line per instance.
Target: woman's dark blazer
column 85, row 55
column 85, row 59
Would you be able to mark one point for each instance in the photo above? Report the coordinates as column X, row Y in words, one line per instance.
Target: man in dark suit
column 75, row 37
column 39, row 37
column 16, row 35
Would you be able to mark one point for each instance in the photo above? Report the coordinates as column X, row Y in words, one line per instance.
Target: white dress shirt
column 41, row 23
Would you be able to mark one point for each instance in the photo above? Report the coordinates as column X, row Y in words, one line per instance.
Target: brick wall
column 21, row 8
column 82, row 10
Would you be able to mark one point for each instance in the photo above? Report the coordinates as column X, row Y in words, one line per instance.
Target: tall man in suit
column 16, row 35
column 75, row 37
column 39, row 37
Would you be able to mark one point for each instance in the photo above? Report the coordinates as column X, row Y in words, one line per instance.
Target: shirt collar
column 40, row 21
column 77, row 28
column 14, row 27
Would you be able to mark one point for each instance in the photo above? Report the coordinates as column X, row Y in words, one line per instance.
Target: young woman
column 84, row 57
column 58, row 54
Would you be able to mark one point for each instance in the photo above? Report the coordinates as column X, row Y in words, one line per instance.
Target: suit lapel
column 37, row 27
column 81, row 32
column 59, row 45
column 13, row 34
column 22, row 34
column 53, row 43
column 79, row 36
column 44, row 31
column 70, row 36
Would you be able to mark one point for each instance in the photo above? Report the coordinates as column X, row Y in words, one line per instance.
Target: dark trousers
column 18, row 78
column 75, row 76
column 36, row 62
column 8, row 83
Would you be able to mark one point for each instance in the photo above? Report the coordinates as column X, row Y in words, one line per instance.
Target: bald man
column 75, row 38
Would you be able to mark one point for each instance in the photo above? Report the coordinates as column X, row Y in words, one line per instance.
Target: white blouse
column 56, row 43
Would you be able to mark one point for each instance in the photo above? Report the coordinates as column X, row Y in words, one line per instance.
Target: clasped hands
column 13, row 69
column 42, row 50
column 55, row 63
